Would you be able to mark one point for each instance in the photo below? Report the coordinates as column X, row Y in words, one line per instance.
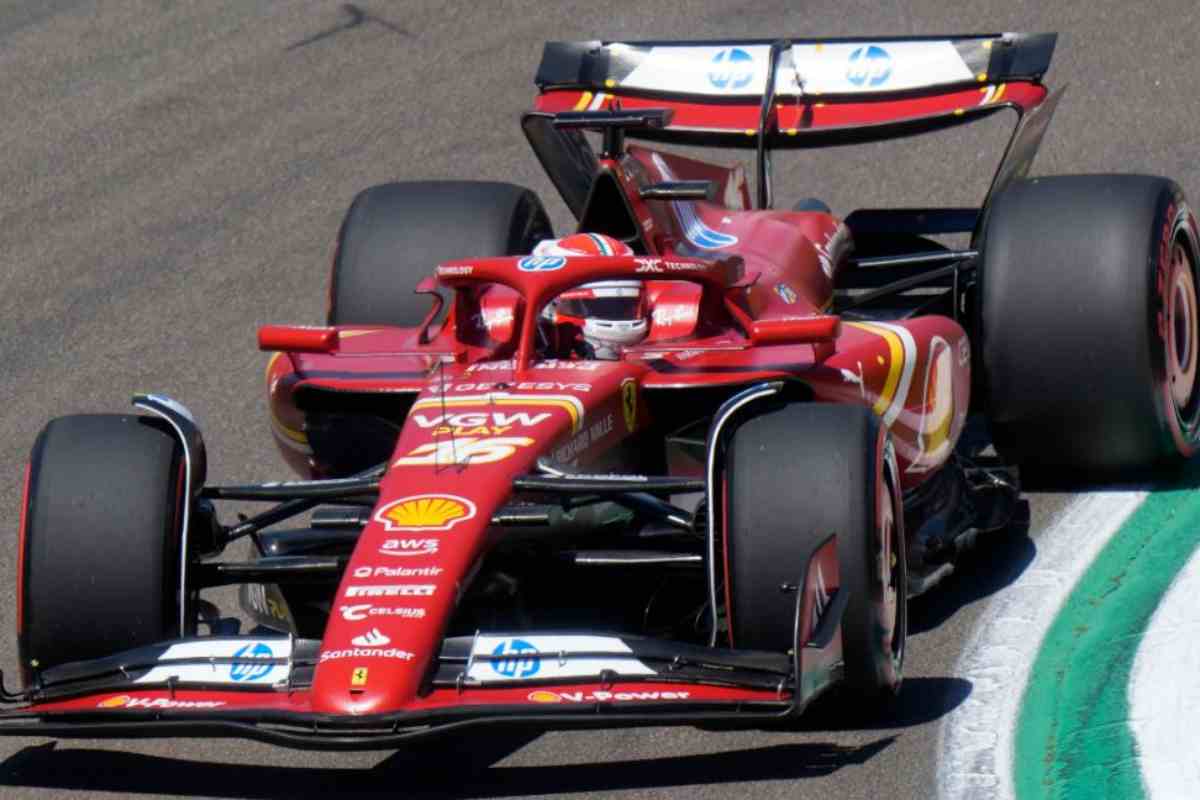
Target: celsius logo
column 869, row 66
column 363, row 610
column 731, row 69
column 541, row 263
column 516, row 658
column 252, row 672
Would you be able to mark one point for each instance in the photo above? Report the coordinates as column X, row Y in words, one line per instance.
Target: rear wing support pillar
column 766, row 123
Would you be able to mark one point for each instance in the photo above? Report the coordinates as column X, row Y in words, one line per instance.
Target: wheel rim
column 1181, row 332
column 891, row 569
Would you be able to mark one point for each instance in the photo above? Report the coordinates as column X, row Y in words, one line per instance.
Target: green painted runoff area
column 1073, row 741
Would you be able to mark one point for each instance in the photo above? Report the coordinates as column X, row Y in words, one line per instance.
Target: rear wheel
column 1089, row 323
column 794, row 476
column 395, row 234
column 99, row 545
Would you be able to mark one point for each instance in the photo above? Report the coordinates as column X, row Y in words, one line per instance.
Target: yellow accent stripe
column 999, row 93
column 584, row 100
column 299, row 437
column 566, row 404
column 271, row 363
column 296, row 436
column 894, row 365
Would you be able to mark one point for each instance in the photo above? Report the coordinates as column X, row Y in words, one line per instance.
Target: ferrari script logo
column 425, row 512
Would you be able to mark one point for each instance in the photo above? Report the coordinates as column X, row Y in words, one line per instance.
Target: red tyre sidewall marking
column 725, row 553
column 888, row 523
column 21, row 539
column 176, row 525
column 1179, row 225
column 177, row 534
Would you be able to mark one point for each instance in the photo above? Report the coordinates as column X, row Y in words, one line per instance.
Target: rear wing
column 836, row 66
column 819, row 85
column 781, row 94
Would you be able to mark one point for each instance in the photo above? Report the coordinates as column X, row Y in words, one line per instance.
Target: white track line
column 1164, row 693
column 976, row 739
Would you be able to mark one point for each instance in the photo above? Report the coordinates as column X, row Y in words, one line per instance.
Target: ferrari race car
column 685, row 465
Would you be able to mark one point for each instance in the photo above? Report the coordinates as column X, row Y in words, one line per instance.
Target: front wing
column 260, row 687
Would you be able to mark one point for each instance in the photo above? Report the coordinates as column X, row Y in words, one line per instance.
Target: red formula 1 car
column 685, row 465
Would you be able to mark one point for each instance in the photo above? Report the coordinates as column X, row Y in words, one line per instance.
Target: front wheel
column 99, row 545
column 794, row 475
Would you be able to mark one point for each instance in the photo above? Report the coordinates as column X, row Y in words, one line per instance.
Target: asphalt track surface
column 172, row 175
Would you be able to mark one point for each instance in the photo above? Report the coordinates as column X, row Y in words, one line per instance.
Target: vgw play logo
column 869, row 66
column 731, row 69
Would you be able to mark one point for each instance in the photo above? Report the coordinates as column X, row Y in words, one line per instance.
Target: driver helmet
column 612, row 314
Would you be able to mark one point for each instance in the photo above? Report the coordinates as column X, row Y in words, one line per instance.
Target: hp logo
column 541, row 263
column 516, row 659
column 869, row 66
column 252, row 672
column 731, row 69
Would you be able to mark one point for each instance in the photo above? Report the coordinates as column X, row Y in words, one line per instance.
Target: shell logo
column 114, row 702
column 425, row 512
column 542, row 696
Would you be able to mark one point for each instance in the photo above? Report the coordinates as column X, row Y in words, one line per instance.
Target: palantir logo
column 731, row 69
column 251, row 672
column 522, row 659
column 869, row 66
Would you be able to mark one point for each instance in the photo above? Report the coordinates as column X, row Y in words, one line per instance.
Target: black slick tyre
column 794, row 475
column 99, row 542
column 395, row 234
column 1088, row 323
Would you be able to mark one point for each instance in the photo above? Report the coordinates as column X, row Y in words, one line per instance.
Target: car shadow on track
column 1178, row 477
column 444, row 769
column 996, row 561
column 921, row 701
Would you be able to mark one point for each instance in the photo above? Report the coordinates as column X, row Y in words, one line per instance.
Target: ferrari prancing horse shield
column 629, row 402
